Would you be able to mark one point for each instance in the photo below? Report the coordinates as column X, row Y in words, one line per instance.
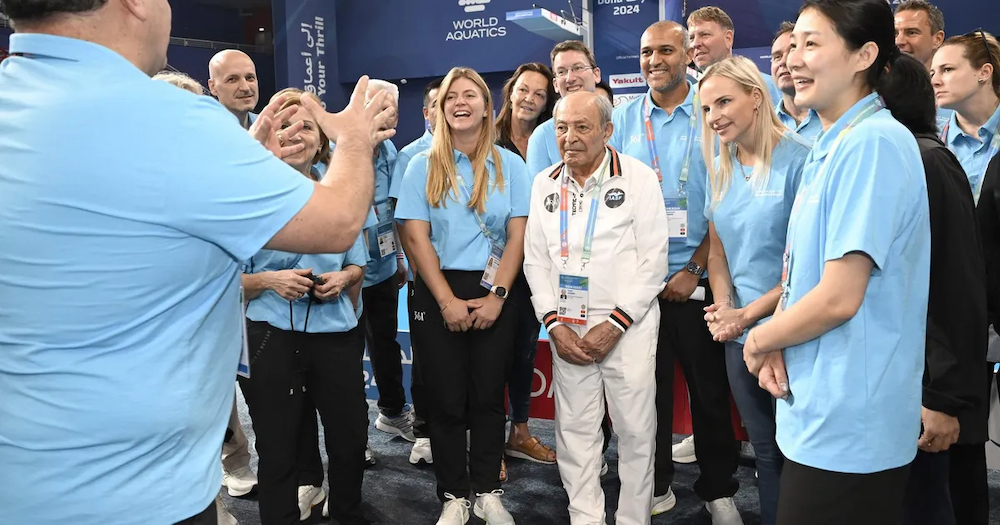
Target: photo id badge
column 386, row 240
column 677, row 217
column 243, row 368
column 492, row 265
column 573, row 292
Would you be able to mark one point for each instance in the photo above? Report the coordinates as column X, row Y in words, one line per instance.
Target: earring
column 982, row 81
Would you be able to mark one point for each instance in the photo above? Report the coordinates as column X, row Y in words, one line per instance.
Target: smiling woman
column 316, row 144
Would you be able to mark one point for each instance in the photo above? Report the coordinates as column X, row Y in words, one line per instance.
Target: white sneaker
column 490, row 509
column 239, row 482
column 401, row 425
column 222, row 514
column 326, row 508
column 663, row 503
column 455, row 511
column 369, row 456
column 421, row 451
column 309, row 497
column 724, row 512
column 683, row 452
column 604, row 469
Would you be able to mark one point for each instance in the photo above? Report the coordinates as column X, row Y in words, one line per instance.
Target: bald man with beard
column 232, row 78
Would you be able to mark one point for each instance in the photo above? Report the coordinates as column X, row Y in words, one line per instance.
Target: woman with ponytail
column 462, row 207
column 844, row 352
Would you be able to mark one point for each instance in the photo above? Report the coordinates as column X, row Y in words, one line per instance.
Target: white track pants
column 627, row 378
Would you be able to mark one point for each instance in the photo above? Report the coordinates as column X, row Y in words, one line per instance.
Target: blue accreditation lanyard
column 991, row 151
column 872, row 107
column 479, row 219
column 588, row 239
column 647, row 112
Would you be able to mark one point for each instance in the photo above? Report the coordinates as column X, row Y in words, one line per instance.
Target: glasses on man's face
column 576, row 70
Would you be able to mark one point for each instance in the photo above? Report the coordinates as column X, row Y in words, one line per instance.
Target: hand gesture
column 680, row 287
column 456, row 316
column 358, row 121
column 725, row 322
column 567, row 345
column 772, row 375
column 291, row 284
column 940, row 431
column 600, row 340
column 268, row 131
column 333, row 285
column 485, row 311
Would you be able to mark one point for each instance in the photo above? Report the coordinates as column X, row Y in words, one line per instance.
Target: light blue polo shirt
column 542, row 148
column 671, row 133
column 455, row 232
column 381, row 268
column 752, row 219
column 856, row 389
column 402, row 161
column 970, row 151
column 807, row 129
column 333, row 316
column 120, row 285
column 942, row 117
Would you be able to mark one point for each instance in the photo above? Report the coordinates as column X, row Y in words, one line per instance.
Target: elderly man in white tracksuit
column 596, row 258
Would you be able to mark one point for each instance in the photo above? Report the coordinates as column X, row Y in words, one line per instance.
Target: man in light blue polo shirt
column 575, row 69
column 120, row 288
column 712, row 33
column 232, row 78
column 673, row 150
column 803, row 121
column 421, row 450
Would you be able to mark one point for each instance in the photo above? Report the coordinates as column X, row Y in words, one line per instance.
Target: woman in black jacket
column 956, row 384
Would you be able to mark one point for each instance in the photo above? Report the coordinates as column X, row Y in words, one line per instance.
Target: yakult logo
column 473, row 6
column 627, row 81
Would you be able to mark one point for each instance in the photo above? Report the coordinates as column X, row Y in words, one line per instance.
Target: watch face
column 501, row 292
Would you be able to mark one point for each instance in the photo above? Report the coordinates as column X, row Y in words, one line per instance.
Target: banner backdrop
column 305, row 48
column 395, row 39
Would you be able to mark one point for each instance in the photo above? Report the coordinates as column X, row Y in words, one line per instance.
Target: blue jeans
column 756, row 408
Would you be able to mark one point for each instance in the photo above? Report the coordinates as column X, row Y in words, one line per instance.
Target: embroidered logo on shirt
column 614, row 198
column 552, row 202
column 418, row 316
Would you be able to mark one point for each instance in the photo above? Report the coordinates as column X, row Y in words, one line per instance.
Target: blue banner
column 305, row 48
column 395, row 39
column 618, row 26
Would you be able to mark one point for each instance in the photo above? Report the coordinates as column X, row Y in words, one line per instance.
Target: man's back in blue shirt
column 120, row 287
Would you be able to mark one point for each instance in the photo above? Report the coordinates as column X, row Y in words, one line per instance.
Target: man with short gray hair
column 596, row 295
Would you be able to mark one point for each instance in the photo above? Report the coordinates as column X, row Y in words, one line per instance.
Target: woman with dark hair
column 528, row 98
column 956, row 377
column 851, row 320
column 966, row 77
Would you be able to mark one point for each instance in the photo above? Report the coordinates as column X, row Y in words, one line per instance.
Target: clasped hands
column 593, row 347
column 461, row 315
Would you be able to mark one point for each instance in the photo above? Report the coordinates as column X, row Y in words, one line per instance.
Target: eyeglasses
column 576, row 70
column 982, row 37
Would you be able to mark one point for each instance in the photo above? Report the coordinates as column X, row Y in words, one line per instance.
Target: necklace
column 740, row 164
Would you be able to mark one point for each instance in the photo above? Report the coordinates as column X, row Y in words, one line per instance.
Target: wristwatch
column 694, row 268
column 499, row 291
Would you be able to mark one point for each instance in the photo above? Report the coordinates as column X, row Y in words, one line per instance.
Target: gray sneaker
column 401, row 425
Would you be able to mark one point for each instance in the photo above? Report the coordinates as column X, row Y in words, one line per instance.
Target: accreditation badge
column 492, row 266
column 574, row 291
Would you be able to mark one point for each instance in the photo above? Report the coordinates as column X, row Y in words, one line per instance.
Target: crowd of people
column 821, row 243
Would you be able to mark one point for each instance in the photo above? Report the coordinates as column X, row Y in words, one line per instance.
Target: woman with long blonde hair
column 754, row 173
column 462, row 210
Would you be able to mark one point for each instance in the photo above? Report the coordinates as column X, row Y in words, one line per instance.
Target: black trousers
column 380, row 324
column 208, row 516
column 684, row 336
column 969, row 486
column 928, row 496
column 820, row 497
column 417, row 390
column 464, row 375
column 286, row 369
column 309, row 462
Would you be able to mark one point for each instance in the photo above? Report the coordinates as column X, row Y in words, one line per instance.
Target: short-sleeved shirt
column 856, row 389
column 672, row 133
column 543, row 151
column 751, row 220
column 402, row 161
column 120, row 284
column 807, row 129
column 455, row 232
column 337, row 315
column 973, row 153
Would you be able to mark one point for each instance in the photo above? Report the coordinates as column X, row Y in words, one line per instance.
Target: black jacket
column 956, row 373
column 988, row 215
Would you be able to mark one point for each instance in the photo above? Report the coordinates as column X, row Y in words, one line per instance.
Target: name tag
column 492, row 265
column 573, row 295
column 243, row 368
column 677, row 217
column 386, row 240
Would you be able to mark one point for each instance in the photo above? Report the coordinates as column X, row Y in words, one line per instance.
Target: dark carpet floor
column 397, row 493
